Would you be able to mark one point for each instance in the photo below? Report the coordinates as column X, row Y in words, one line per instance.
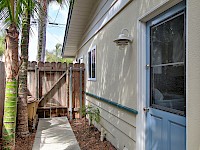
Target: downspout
column 67, row 25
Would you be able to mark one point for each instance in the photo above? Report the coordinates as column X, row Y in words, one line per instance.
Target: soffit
column 79, row 19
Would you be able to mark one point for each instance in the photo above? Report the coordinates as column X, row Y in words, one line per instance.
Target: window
column 92, row 64
column 168, row 64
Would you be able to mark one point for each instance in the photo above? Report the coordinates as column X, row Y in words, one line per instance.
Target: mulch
column 25, row 143
column 88, row 137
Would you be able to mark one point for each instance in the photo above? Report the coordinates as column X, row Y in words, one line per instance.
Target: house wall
column 193, row 78
column 116, row 77
column 115, row 68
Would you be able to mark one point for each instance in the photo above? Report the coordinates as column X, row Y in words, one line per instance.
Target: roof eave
column 67, row 26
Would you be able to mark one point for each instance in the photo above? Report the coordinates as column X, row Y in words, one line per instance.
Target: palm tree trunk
column 42, row 31
column 40, row 39
column 22, row 122
column 10, row 106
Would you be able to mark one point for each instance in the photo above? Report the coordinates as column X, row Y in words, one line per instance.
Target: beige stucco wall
column 117, row 73
column 116, row 69
column 116, row 80
column 193, row 75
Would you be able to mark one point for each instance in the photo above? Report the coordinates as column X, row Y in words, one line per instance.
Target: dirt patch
column 89, row 137
column 25, row 143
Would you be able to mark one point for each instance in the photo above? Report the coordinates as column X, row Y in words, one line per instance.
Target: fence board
column 49, row 74
column 2, row 93
column 76, row 88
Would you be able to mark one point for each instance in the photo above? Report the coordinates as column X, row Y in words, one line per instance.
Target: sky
column 54, row 33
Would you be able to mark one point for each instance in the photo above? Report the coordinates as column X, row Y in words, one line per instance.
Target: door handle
column 147, row 66
column 146, row 109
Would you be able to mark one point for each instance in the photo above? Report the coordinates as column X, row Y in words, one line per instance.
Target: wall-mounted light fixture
column 123, row 39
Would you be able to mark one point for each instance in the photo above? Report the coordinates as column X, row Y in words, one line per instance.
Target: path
column 55, row 134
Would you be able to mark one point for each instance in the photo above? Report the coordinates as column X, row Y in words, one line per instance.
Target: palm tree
column 42, row 31
column 42, row 25
column 11, row 68
column 22, row 122
column 2, row 45
column 13, row 13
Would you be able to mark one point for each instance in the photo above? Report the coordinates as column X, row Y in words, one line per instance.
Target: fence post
column 37, row 82
column 2, row 95
column 70, row 93
column 80, row 92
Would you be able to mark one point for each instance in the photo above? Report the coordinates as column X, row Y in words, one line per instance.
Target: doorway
column 166, row 75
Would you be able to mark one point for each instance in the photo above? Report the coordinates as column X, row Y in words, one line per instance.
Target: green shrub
column 94, row 113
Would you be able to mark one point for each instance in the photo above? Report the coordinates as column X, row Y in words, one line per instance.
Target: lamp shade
column 123, row 39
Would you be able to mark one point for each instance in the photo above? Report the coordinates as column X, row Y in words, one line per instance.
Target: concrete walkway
column 55, row 134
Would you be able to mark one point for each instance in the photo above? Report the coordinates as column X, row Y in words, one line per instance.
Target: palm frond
column 19, row 9
column 7, row 16
column 8, row 6
column 3, row 16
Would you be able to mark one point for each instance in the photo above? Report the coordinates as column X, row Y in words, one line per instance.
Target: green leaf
column 55, row 55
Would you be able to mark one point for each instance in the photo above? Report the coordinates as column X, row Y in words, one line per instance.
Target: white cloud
column 64, row 11
column 54, row 6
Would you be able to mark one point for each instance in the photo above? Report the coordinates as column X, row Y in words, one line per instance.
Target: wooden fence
column 75, row 89
column 2, row 93
column 52, row 83
column 47, row 82
column 56, row 86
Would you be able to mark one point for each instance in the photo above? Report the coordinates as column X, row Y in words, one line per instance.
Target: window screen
column 168, row 64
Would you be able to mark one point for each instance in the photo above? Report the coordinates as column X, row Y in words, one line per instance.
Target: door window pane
column 167, row 41
column 168, row 87
column 167, row 65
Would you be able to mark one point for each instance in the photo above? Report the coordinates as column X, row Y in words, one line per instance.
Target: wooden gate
column 47, row 82
column 59, row 88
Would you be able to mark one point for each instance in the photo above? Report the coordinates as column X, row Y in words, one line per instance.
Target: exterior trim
column 103, row 20
column 113, row 103
column 67, row 26
column 141, row 71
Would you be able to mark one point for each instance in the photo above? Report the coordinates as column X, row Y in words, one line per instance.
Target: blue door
column 166, row 74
